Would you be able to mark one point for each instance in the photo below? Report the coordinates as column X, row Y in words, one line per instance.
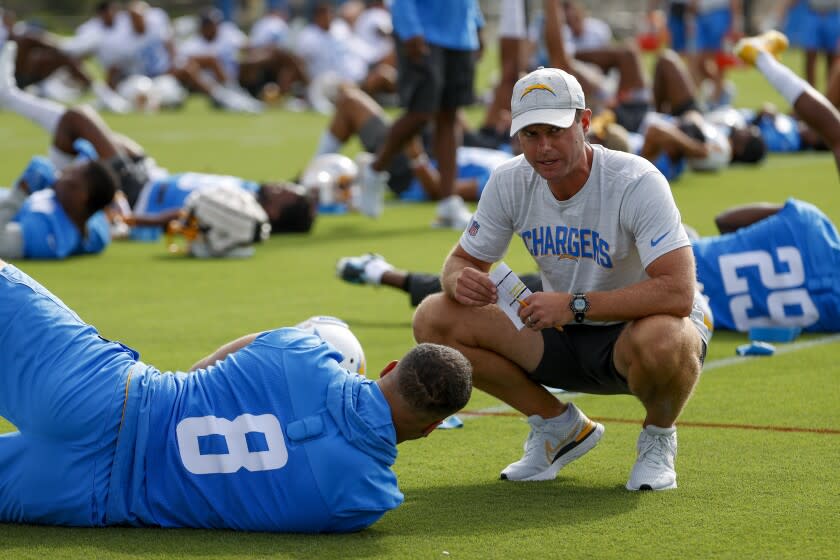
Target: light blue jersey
column 781, row 271
column 48, row 233
column 472, row 162
column 276, row 437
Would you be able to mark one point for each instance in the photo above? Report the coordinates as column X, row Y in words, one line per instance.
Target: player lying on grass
column 152, row 194
column 53, row 215
column 268, row 433
column 733, row 270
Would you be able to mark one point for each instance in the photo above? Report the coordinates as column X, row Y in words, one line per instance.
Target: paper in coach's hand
column 511, row 291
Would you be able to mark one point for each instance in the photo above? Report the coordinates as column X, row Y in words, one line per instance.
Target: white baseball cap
column 545, row 96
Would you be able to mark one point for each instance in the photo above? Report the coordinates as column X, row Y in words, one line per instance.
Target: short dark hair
column 296, row 217
column 435, row 379
column 755, row 148
column 102, row 183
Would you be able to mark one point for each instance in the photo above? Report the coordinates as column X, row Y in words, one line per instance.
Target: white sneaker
column 452, row 212
column 232, row 100
column 551, row 445
column 364, row 269
column 373, row 184
column 654, row 468
column 7, row 68
column 109, row 100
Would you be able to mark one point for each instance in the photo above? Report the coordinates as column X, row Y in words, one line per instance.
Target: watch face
column 580, row 304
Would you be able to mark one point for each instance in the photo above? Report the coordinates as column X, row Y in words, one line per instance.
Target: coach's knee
column 434, row 319
column 660, row 346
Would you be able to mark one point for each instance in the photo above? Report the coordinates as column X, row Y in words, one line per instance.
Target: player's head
column 428, row 384
column 748, row 145
column 322, row 14
column 86, row 187
column 290, row 207
column 106, row 11
column 209, row 21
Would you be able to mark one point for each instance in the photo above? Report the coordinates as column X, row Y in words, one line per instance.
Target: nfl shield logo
column 473, row 229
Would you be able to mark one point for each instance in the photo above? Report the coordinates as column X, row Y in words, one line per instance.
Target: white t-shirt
column 226, row 46
column 373, row 28
column 601, row 239
column 270, row 30
column 330, row 51
column 595, row 34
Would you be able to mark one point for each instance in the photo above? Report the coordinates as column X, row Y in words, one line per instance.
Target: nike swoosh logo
column 552, row 453
column 655, row 242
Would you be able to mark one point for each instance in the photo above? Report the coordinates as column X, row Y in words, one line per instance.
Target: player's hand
column 542, row 310
column 474, row 288
column 416, row 49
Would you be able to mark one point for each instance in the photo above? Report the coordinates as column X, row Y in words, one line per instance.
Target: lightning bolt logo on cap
column 536, row 87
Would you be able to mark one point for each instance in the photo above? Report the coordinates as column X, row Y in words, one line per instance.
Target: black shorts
column 372, row 134
column 630, row 114
column 443, row 82
column 580, row 358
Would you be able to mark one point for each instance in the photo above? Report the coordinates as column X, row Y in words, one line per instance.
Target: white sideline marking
column 714, row 364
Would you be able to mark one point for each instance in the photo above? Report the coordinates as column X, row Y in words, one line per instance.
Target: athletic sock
column 43, row 112
column 374, row 270
column 782, row 78
column 328, row 144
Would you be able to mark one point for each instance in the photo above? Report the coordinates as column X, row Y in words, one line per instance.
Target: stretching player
column 270, row 433
column 147, row 188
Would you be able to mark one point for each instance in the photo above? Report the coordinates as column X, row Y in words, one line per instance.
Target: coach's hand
column 474, row 288
column 542, row 310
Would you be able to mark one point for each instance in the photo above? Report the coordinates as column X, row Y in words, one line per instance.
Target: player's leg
column 513, row 34
column 674, row 90
column 810, row 105
column 58, row 378
column 661, row 358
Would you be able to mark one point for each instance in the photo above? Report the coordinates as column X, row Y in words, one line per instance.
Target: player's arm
column 742, row 216
column 466, row 280
column 668, row 291
column 222, row 352
column 160, row 219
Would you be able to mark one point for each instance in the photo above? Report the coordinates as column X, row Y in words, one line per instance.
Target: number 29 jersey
column 783, row 270
column 276, row 437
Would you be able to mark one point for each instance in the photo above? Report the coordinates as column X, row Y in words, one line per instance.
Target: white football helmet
column 720, row 150
column 140, row 92
column 220, row 221
column 337, row 333
column 333, row 177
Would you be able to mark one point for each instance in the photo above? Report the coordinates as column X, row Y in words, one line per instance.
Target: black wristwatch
column 579, row 304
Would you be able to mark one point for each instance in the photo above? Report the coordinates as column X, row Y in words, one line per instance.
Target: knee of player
column 433, row 319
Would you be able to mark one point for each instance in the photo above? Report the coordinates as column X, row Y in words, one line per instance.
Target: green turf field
column 759, row 448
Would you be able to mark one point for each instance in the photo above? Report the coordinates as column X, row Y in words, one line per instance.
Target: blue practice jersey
column 781, row 271
column 277, row 437
column 472, row 162
column 48, row 233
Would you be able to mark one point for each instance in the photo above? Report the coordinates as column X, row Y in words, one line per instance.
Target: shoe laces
column 656, row 450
